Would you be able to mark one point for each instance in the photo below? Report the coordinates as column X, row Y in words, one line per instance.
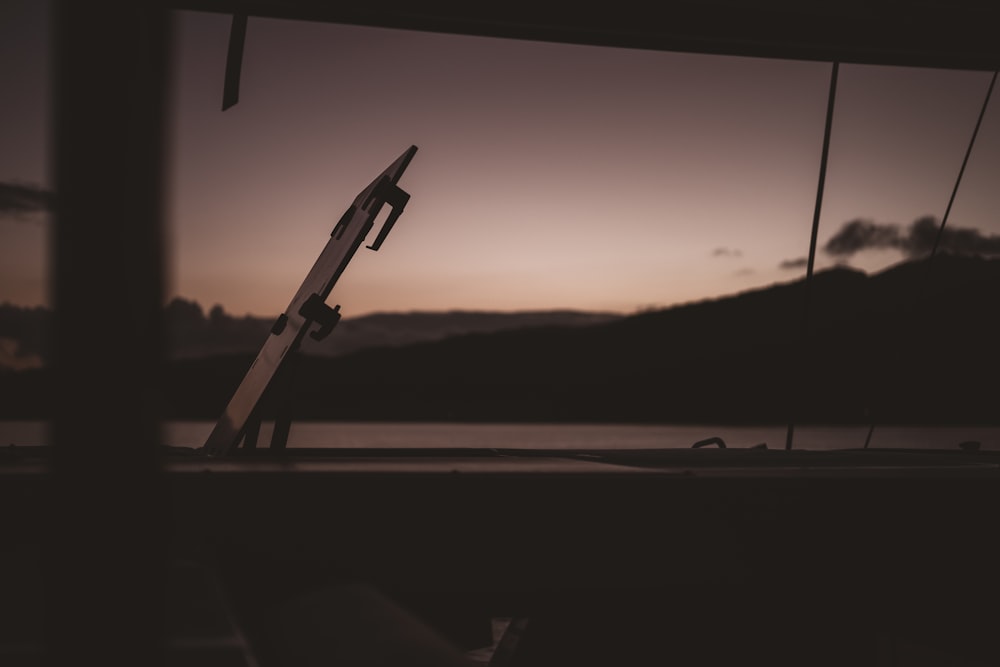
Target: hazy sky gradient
column 547, row 176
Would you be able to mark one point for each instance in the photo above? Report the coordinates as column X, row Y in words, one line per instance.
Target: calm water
column 561, row 436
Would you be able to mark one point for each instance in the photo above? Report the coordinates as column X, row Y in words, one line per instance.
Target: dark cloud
column 858, row 235
column 727, row 252
column 797, row 263
column 17, row 200
column 958, row 240
column 917, row 241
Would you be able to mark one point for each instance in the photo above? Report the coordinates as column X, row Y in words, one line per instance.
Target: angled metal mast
column 308, row 311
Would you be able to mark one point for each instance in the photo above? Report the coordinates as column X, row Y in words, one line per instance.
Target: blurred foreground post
column 107, row 528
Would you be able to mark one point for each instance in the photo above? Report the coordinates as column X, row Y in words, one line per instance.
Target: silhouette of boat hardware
column 308, row 307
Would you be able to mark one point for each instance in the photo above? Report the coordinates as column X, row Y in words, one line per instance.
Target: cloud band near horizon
column 18, row 200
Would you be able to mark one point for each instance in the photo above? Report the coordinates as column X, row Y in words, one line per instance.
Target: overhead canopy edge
column 960, row 35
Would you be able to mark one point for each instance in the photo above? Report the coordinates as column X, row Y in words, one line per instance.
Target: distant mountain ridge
column 399, row 329
column 915, row 343
column 193, row 333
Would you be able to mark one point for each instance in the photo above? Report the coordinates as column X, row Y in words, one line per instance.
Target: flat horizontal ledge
column 600, row 463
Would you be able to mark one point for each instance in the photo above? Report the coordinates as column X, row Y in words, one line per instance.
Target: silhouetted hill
column 913, row 344
column 192, row 333
column 906, row 345
column 396, row 329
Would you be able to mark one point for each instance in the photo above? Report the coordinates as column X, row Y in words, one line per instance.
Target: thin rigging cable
column 965, row 161
column 951, row 199
column 790, row 434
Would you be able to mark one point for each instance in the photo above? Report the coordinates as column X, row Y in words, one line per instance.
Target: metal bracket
column 315, row 309
column 386, row 193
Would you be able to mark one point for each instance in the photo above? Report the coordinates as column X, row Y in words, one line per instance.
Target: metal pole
column 804, row 330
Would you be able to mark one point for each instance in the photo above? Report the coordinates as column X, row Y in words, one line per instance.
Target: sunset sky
column 547, row 175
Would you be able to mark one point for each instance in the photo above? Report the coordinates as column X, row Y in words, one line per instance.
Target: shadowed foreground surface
column 695, row 556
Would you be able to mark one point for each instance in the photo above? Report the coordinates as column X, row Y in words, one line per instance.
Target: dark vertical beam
column 107, row 529
column 234, row 61
column 817, row 211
